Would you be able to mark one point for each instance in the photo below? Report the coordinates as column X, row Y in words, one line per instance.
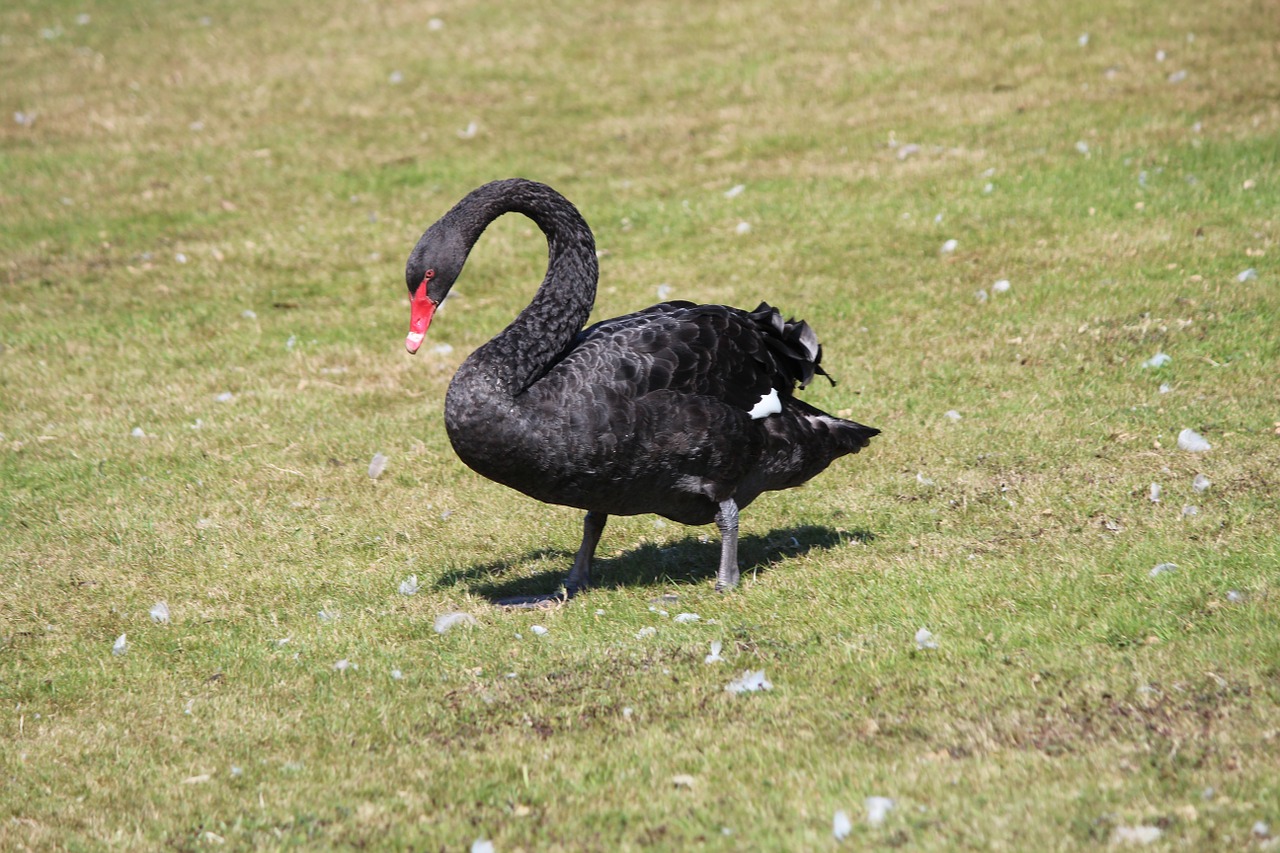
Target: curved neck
column 524, row 350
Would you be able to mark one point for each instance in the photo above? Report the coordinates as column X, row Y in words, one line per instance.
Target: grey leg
column 727, row 521
column 580, row 575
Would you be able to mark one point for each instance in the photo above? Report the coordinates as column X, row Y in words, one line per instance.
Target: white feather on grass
column 878, row 809
column 841, row 826
column 446, row 621
column 750, row 681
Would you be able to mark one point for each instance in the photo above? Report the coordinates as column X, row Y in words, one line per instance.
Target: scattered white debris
column 377, row 465
column 120, row 646
column 988, row 188
column 326, row 616
column 878, row 809
column 344, row 664
column 395, row 78
column 1163, row 568
column 980, row 295
column 1192, row 441
column 908, row 150
column 627, row 712
column 397, row 675
column 482, row 845
column 925, row 639
column 683, row 780
column 1160, row 359
column 664, row 292
column 1248, row 275
column 538, row 629
column 646, row 631
column 1165, row 387
column 1001, row 286
column 949, row 246
column 236, row 772
column 922, row 479
column 1177, row 76
column 714, row 657
column 952, row 415
column 435, row 24
column 599, row 611
column 1261, row 830
column 841, row 826
column 1160, row 56
column 1155, row 493
column 734, row 191
column 249, row 314
column 470, row 131
column 1201, row 483
column 686, row 617
column 409, row 586
column 180, row 258
column 281, row 643
column 743, row 228
column 1235, row 596
column 1189, row 510
column 292, row 342
column 445, row 621
column 225, row 397
column 749, row 682
column 160, row 613
column 1082, row 147
column 1135, row 834
column 1083, row 41
column 24, row 119
column 138, row 433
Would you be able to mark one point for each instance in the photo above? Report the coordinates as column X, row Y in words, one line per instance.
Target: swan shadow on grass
column 687, row 561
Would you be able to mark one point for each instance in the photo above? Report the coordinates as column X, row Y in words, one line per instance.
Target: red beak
column 420, row 318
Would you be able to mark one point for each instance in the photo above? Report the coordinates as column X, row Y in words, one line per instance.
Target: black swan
column 682, row 410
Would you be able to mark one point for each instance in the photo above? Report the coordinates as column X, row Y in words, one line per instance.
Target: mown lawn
column 204, row 214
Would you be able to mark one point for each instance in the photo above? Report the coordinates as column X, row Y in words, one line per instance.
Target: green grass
column 189, row 163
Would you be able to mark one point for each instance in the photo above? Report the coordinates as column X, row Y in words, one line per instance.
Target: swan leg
column 727, row 521
column 580, row 575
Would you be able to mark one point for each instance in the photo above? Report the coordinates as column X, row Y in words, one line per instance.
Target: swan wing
column 748, row 360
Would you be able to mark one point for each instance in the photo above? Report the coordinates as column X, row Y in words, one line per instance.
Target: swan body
column 682, row 410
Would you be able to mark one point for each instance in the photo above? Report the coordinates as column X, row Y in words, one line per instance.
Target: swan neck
column 540, row 333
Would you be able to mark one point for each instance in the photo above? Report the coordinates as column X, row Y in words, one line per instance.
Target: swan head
column 433, row 267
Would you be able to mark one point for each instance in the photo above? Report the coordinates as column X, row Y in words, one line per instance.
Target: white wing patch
column 769, row 405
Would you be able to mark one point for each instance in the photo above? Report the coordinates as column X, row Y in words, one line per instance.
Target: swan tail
column 793, row 343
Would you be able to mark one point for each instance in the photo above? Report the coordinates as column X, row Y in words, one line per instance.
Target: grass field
column 205, row 209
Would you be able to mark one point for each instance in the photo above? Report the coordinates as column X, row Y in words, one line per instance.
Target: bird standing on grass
column 682, row 410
